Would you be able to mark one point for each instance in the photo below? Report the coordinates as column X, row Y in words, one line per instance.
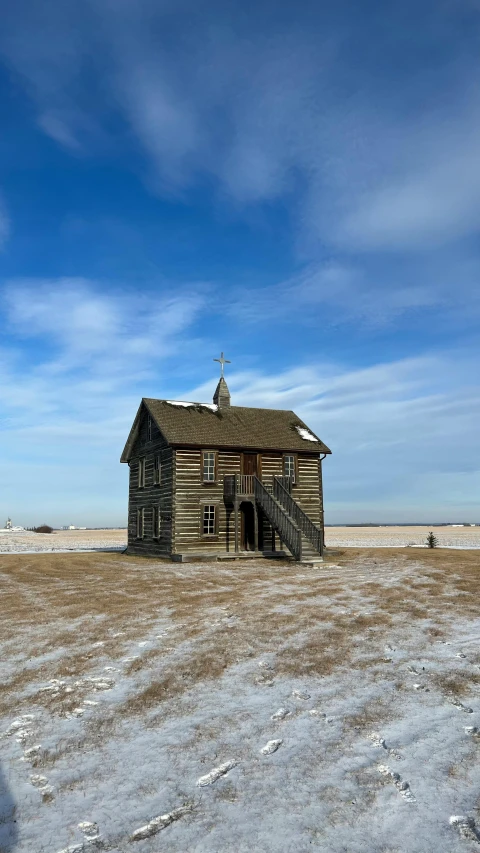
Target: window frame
column 140, row 533
column 203, row 507
column 142, row 464
column 156, row 522
column 215, row 467
column 157, row 470
column 295, row 467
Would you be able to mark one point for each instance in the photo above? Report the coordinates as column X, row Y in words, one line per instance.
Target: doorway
column 247, row 530
column 249, row 463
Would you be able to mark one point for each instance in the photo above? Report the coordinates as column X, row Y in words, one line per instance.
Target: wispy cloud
column 102, row 329
column 78, row 360
column 344, row 292
column 264, row 113
column 403, row 433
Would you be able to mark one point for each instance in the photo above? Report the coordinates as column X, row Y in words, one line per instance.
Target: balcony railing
column 238, row 484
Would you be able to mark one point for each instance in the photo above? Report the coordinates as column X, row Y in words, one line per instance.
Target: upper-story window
column 289, row 467
column 157, row 470
column 149, row 428
column 209, row 466
column 141, row 472
column 140, row 522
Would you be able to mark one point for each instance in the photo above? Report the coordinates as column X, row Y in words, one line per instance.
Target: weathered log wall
column 191, row 494
column 151, row 497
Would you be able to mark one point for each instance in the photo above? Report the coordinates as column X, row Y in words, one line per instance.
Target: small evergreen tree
column 432, row 540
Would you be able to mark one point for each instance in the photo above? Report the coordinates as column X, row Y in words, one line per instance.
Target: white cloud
column 434, row 194
column 90, row 323
column 70, row 385
column 341, row 293
column 264, row 112
column 403, row 433
column 59, row 128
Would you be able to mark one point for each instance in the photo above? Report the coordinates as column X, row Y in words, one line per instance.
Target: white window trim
column 214, row 454
column 290, row 456
column 215, row 520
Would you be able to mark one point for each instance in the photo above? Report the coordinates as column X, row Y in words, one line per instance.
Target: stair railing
column 278, row 518
column 301, row 519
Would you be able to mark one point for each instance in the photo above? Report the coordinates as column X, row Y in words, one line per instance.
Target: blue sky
column 297, row 184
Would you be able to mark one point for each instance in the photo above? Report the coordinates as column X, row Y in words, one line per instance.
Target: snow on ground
column 343, row 537
column 28, row 542
column 249, row 706
column 390, row 537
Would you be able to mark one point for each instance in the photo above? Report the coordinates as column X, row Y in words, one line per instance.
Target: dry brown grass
column 68, row 602
column 456, row 684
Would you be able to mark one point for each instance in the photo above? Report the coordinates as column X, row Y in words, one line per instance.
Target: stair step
column 309, row 552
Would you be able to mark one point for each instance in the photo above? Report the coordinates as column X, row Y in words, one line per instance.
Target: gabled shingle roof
column 242, row 427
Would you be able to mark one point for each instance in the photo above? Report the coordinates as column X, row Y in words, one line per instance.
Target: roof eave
column 126, row 454
column 179, row 445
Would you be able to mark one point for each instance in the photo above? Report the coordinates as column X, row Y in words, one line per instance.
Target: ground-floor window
column 156, row 519
column 140, row 522
column 209, row 520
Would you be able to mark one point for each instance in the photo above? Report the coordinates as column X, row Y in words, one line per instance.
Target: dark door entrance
column 249, row 463
column 248, row 526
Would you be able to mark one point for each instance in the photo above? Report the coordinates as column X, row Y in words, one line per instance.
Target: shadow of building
column 8, row 823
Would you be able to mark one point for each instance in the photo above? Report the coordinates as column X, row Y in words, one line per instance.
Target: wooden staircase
column 301, row 536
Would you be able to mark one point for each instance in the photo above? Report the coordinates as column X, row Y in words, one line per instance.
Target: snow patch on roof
column 185, row 405
column 305, row 433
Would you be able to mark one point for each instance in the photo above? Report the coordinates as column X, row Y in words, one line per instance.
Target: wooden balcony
column 238, row 485
column 243, row 485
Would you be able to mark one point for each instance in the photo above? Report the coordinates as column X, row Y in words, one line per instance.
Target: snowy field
column 254, row 706
column 62, row 540
column 342, row 537
column 390, row 537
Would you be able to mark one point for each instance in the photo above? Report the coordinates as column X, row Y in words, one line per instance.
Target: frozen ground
column 242, row 707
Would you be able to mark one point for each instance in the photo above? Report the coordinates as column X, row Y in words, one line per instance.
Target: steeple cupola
column 221, row 398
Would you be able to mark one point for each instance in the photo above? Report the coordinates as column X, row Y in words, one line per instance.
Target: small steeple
column 221, row 398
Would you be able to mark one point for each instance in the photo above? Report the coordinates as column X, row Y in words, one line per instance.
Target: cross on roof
column 222, row 361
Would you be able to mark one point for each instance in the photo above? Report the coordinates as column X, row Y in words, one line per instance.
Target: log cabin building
column 223, row 481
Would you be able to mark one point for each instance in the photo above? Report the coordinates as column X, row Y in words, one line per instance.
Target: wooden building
column 218, row 480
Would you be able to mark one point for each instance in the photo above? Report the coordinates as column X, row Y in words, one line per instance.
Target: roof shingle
column 194, row 424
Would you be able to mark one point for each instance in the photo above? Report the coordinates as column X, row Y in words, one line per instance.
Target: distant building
column 220, row 479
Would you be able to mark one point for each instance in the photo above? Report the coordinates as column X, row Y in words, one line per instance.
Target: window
column 141, row 472
column 149, row 428
column 157, row 471
column 156, row 518
column 289, row 467
column 209, row 520
column 209, row 466
column 140, row 522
